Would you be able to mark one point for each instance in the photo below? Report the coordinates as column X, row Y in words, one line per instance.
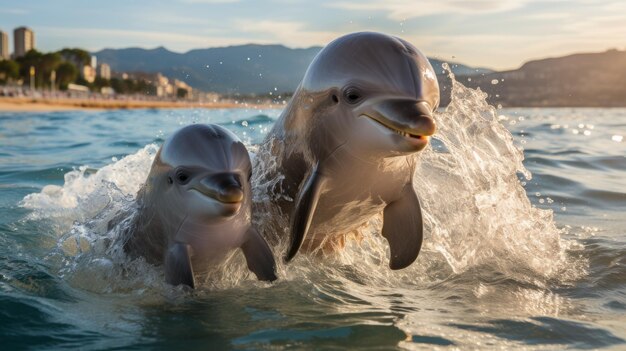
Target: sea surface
column 525, row 246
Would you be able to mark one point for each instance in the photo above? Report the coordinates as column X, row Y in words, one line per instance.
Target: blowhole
column 335, row 98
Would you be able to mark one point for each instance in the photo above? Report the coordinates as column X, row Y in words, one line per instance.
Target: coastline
column 27, row 104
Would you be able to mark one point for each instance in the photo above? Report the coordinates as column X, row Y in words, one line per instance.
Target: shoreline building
column 4, row 46
column 88, row 71
column 23, row 40
column 105, row 71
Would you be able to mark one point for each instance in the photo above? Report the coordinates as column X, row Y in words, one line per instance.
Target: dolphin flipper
column 178, row 265
column 402, row 227
column 304, row 210
column 259, row 256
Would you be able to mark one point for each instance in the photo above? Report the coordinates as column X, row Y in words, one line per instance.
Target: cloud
column 292, row 34
column 109, row 37
column 209, row 1
column 14, row 11
column 173, row 19
column 547, row 16
column 405, row 9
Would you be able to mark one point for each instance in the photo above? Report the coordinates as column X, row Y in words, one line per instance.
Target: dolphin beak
column 223, row 187
column 411, row 119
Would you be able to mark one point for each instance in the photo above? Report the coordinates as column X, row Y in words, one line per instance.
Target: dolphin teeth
column 399, row 132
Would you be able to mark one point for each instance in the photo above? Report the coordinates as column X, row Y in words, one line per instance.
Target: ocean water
column 525, row 245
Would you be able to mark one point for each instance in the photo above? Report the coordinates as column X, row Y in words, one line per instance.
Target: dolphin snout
column 424, row 122
column 409, row 117
column 231, row 194
column 225, row 187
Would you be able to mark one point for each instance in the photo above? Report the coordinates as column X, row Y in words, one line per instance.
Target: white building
column 4, row 46
column 88, row 73
column 104, row 71
column 23, row 40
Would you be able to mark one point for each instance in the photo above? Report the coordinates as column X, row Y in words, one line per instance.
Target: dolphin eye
column 182, row 176
column 352, row 95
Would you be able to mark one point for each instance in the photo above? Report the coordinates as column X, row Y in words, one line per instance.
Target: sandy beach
column 22, row 104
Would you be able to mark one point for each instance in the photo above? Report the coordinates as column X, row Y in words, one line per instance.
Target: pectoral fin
column 304, row 210
column 259, row 256
column 178, row 265
column 402, row 227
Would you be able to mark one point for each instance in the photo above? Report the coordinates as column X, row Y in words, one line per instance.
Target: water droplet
column 469, row 79
column 563, row 208
column 494, row 81
column 581, row 126
column 248, row 59
column 244, row 123
column 541, row 201
column 549, row 200
column 617, row 138
column 575, row 131
column 587, row 132
column 537, row 194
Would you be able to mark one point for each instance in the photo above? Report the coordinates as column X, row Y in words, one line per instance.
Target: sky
column 498, row 34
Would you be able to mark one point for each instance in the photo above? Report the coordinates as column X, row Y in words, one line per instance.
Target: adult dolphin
column 346, row 144
column 195, row 207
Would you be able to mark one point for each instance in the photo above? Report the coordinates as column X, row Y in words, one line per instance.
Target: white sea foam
column 76, row 195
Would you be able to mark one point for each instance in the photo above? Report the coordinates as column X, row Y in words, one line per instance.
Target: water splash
column 476, row 209
column 85, row 190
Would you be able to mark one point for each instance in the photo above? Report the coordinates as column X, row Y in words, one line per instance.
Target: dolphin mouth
column 221, row 199
column 402, row 131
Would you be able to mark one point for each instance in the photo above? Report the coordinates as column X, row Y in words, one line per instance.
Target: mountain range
column 588, row 79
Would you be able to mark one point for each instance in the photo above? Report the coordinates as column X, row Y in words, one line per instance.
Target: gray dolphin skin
column 195, row 207
column 345, row 145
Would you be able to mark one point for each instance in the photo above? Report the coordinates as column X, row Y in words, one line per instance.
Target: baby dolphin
column 195, row 207
column 346, row 144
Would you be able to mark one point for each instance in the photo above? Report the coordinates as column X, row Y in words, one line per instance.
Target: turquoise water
column 525, row 254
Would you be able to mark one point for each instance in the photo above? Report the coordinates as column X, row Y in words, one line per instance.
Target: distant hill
column 590, row 79
column 244, row 68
